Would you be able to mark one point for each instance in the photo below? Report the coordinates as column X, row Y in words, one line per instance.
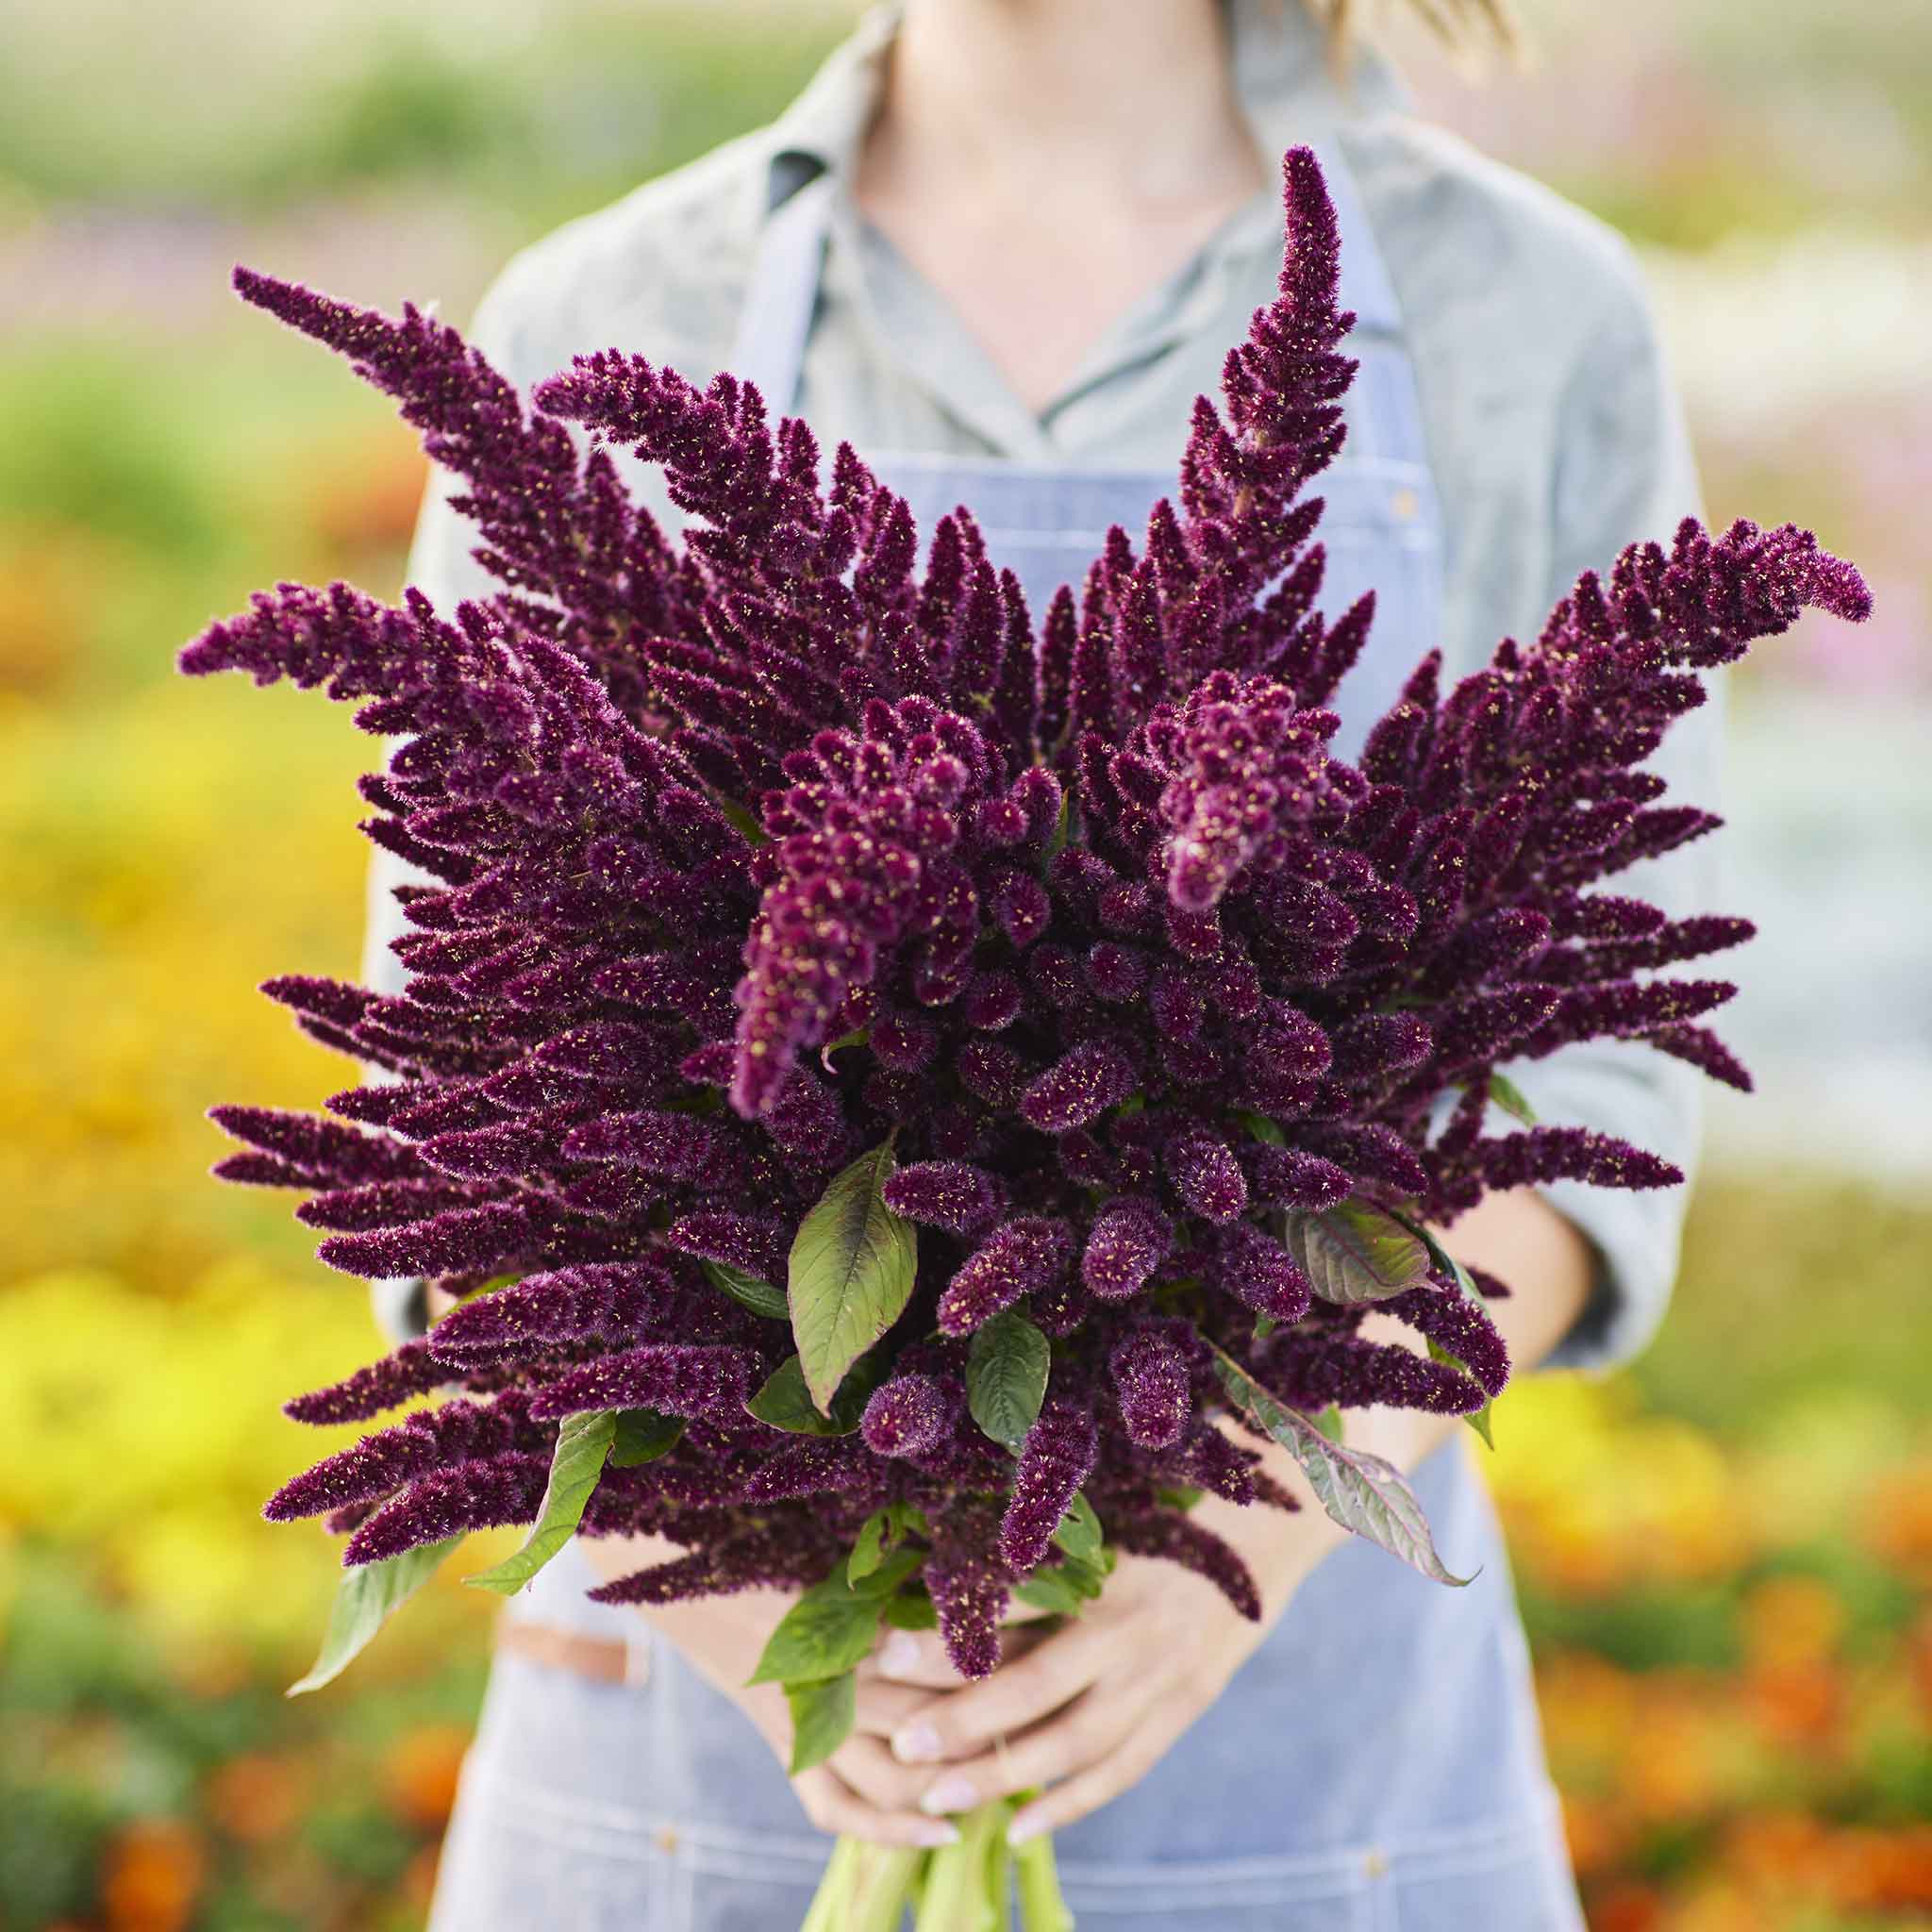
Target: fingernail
column 900, row 1656
column 917, row 1743
column 952, row 1793
column 936, row 1834
column 1024, row 1825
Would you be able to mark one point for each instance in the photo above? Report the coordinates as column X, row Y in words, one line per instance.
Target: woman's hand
column 861, row 1788
column 1090, row 1709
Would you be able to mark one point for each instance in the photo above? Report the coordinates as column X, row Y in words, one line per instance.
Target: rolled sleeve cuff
column 1635, row 1240
column 1637, row 1095
column 401, row 1307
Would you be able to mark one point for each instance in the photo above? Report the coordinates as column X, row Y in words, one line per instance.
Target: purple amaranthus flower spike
column 794, row 896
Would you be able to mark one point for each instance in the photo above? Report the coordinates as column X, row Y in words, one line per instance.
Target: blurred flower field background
column 1724, row 1553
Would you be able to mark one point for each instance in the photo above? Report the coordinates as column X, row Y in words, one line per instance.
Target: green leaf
column 1508, row 1097
column 1444, row 1264
column 886, row 1579
column 1005, row 1378
column 1262, row 1128
column 642, row 1436
column 823, row 1711
column 1441, row 1261
column 869, row 1549
column 1064, row 1589
column 1084, row 1578
column 761, row 1297
column 1183, row 1499
column 1064, row 826
column 1329, row 1423
column 1088, row 1573
column 1480, row 1420
column 583, row 1442
column 822, row 1635
column 1052, row 1590
column 742, row 819
column 1355, row 1252
column 1265, row 1325
column 851, row 1273
column 882, row 1532
column 911, row 1610
column 1360, row 1491
column 1079, row 1532
column 785, row 1403
column 366, row 1596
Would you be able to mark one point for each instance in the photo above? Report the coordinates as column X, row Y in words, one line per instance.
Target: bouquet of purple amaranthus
column 889, row 1076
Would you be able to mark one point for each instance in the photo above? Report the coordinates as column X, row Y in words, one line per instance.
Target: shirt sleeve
column 1623, row 472
column 442, row 566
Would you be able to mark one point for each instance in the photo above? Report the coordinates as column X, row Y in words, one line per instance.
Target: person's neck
column 1134, row 99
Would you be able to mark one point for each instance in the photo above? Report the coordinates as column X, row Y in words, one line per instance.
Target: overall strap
column 1387, row 406
column 1365, row 284
column 782, row 294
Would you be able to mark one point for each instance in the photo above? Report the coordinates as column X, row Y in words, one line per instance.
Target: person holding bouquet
column 1001, row 245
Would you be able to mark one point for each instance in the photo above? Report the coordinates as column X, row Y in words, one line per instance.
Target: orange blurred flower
column 421, row 1775
column 1918, row 1661
column 44, row 611
column 1798, row 1704
column 1783, row 1849
column 1588, row 1704
column 1898, row 1518
column 1627, row 1908
column 153, row 1873
column 256, row 1798
column 1597, row 1837
column 1791, row 1620
column 365, row 498
column 1716, row 1907
column 1882, row 1871
column 1670, row 1768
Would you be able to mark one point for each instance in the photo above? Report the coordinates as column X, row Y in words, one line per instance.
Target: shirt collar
column 823, row 129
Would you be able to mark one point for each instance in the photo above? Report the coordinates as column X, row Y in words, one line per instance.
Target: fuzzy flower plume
column 789, row 889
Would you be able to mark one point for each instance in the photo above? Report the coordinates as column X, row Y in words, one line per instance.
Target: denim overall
column 1375, row 1766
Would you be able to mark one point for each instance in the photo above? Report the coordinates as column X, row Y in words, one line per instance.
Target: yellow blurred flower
column 150, row 1433
column 1598, row 1495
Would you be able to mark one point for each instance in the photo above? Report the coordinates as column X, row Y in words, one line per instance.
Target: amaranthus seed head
column 754, row 853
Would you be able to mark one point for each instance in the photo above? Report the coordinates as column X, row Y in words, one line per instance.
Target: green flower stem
column 866, row 1889
column 828, row 1901
column 1041, row 1908
column 966, row 1886
column 882, row 1886
column 969, row 1885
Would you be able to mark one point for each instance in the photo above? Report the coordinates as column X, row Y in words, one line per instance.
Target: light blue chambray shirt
column 1552, row 428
